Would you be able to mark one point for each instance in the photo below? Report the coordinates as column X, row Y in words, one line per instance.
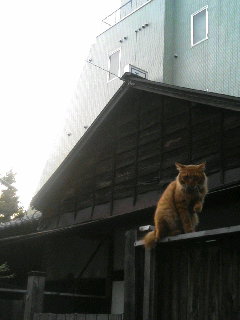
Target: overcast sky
column 42, row 46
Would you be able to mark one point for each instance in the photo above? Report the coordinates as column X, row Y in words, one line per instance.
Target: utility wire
column 95, row 65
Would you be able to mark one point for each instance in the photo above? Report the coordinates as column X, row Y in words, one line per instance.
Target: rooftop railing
column 123, row 11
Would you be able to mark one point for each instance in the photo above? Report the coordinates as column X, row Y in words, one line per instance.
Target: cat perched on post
column 178, row 207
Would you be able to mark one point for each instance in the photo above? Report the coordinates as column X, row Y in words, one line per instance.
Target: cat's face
column 191, row 177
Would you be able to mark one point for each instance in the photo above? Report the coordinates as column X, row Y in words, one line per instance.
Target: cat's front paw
column 197, row 208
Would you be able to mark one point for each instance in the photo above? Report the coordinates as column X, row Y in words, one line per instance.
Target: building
column 191, row 44
column 109, row 184
column 126, row 134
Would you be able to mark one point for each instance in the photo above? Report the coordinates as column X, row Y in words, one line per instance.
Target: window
column 199, row 26
column 114, row 65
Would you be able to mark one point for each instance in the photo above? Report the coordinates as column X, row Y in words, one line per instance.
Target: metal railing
column 123, row 11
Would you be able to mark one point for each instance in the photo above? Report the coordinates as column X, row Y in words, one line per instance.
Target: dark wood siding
column 199, row 281
column 131, row 159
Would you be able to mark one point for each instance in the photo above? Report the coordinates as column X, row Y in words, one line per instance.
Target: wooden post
column 34, row 295
column 129, row 276
column 149, row 284
column 109, row 278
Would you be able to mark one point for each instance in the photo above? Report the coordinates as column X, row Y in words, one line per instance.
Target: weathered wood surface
column 145, row 137
column 150, row 282
column 198, row 281
column 75, row 316
column 130, row 276
column 214, row 233
column 34, row 295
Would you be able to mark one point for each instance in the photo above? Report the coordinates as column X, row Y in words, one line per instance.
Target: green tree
column 9, row 203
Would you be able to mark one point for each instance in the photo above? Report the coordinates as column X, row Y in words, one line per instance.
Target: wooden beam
column 109, row 279
column 52, row 293
column 207, row 234
column 67, row 294
column 34, row 295
column 193, row 95
column 130, row 276
column 6, row 290
column 149, row 285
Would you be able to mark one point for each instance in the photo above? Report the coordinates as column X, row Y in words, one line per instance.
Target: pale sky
column 42, row 46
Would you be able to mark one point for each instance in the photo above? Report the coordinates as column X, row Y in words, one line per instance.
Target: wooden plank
column 231, row 120
column 44, row 316
column 169, row 157
column 76, row 295
column 83, row 215
column 151, row 168
column 125, row 159
column 175, row 107
column 150, row 135
column 109, row 279
column 190, row 285
column 129, row 276
column 206, row 282
column 91, row 317
column 34, row 295
column 176, row 123
column 66, row 219
column 227, row 278
column 174, row 284
column 115, row 317
column 80, row 317
column 101, row 211
column 165, row 286
column 12, row 290
column 183, row 283
column 102, row 316
column 104, row 166
column 207, row 234
column 104, row 181
column 149, row 119
column 206, row 129
column 123, row 190
column 149, row 284
column 126, row 144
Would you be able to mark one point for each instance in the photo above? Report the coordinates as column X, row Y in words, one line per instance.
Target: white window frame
column 109, row 61
column 194, row 14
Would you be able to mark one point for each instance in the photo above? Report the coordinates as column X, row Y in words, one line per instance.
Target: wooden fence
column 75, row 316
column 191, row 276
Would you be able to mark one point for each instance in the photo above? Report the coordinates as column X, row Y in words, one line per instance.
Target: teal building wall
column 212, row 65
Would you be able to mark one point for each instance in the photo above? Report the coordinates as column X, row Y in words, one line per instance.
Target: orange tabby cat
column 178, row 207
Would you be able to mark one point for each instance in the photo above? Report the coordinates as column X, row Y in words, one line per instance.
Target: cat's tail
column 149, row 240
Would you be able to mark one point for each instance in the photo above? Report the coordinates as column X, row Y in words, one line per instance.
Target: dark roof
column 135, row 83
column 24, row 225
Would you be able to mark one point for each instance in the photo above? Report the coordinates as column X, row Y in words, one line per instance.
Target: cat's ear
column 202, row 166
column 179, row 166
